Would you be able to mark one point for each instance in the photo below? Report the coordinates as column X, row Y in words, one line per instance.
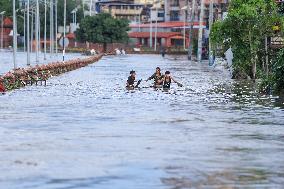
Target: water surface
column 84, row 130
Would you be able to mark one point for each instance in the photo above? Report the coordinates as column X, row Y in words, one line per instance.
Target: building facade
column 121, row 9
column 177, row 10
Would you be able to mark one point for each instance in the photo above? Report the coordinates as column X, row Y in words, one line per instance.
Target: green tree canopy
column 103, row 28
column 248, row 23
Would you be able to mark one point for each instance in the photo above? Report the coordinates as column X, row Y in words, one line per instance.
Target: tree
column 103, row 28
column 248, row 23
column 7, row 6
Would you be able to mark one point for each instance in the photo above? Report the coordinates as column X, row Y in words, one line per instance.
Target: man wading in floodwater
column 130, row 84
column 167, row 80
column 158, row 78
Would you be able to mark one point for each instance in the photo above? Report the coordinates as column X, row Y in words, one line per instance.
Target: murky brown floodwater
column 84, row 130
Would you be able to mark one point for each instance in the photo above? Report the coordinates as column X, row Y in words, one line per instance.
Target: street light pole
column 91, row 6
column 151, row 42
column 192, row 14
column 75, row 26
column 25, row 27
column 139, row 27
column 28, row 32
column 200, row 33
column 32, row 30
column 56, row 27
column 210, row 28
column 184, row 22
column 51, row 28
column 156, row 27
column 64, row 30
column 14, row 34
column 45, row 10
column 36, row 30
column 2, row 28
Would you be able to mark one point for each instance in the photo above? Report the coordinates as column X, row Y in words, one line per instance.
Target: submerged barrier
column 38, row 74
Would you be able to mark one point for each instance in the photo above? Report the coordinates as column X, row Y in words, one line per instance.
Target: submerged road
column 84, row 130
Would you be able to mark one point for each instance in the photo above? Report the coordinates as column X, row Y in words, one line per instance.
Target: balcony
column 115, row 11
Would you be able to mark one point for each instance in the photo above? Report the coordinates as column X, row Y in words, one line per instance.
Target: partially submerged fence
column 40, row 73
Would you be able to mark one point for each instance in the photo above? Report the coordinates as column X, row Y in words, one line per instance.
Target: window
column 174, row 16
column 161, row 14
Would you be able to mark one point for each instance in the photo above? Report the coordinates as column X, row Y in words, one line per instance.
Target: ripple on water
column 84, row 130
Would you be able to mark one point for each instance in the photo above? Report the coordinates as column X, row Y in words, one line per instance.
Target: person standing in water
column 168, row 79
column 163, row 52
column 130, row 83
column 157, row 76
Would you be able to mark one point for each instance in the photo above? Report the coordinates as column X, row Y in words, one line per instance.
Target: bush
column 278, row 70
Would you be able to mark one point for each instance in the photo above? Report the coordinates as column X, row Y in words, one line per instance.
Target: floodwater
column 84, row 130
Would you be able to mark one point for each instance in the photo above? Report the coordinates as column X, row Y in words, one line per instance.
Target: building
column 177, row 10
column 174, row 23
column 169, row 34
column 124, row 9
column 144, row 2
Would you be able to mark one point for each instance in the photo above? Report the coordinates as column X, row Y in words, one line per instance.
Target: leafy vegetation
column 103, row 28
column 245, row 29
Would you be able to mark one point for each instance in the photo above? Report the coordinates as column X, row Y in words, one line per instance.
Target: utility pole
column 36, row 30
column 64, row 30
column 266, row 56
column 14, row 35
column 25, row 5
column 139, row 27
column 151, row 38
column 56, row 27
column 200, row 33
column 185, row 9
column 91, row 6
column 75, row 25
column 166, row 10
column 210, row 28
column 184, row 29
column 45, row 12
column 28, row 33
column 156, row 28
column 191, row 30
column 32, row 30
column 51, row 28
column 2, row 28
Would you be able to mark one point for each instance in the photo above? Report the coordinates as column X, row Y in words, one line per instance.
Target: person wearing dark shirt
column 157, row 76
column 131, row 80
column 167, row 80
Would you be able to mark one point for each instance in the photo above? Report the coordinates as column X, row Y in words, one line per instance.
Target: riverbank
column 22, row 77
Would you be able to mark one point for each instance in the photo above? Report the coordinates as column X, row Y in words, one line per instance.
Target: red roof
column 159, row 34
column 166, row 24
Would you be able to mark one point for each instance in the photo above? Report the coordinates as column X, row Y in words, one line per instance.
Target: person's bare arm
column 179, row 84
column 151, row 77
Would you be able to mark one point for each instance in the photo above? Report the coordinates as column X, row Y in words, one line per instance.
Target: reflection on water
column 84, row 130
